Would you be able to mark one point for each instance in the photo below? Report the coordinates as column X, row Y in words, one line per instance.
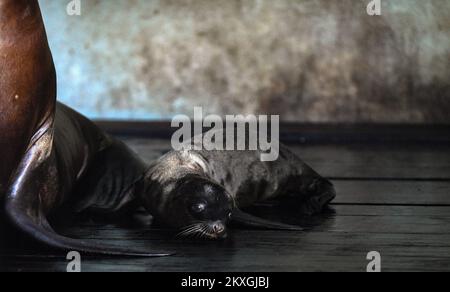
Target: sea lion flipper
column 30, row 192
column 43, row 233
column 242, row 218
column 316, row 193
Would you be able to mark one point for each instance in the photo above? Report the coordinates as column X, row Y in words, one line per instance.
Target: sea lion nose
column 218, row 228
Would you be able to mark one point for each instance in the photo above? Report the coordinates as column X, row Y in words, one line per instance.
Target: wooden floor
column 394, row 199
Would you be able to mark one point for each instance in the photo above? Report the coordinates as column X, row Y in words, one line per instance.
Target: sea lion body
column 26, row 98
column 251, row 180
column 238, row 178
column 72, row 165
column 50, row 151
column 78, row 147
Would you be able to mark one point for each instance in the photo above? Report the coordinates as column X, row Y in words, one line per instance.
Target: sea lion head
column 199, row 207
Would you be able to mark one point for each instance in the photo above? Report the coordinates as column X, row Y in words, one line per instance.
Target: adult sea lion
column 199, row 191
column 47, row 148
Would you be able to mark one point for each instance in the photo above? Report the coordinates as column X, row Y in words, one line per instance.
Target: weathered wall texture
column 320, row 61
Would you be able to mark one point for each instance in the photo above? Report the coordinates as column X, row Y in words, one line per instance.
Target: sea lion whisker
column 189, row 226
column 185, row 232
column 204, row 231
column 189, row 230
column 197, row 232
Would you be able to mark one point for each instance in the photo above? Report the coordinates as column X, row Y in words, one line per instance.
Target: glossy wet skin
column 27, row 83
column 200, row 208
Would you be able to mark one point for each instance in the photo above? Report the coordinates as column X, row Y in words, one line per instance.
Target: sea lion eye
column 198, row 208
column 229, row 215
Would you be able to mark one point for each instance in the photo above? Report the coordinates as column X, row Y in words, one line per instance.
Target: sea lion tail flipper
column 317, row 193
column 32, row 190
column 40, row 230
column 241, row 218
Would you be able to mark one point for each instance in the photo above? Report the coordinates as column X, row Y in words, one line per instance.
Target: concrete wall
column 319, row 61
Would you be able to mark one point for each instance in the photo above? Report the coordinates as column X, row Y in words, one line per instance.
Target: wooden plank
column 417, row 212
column 409, row 238
column 402, row 162
column 393, row 192
column 315, row 251
column 307, row 133
column 378, row 161
column 369, row 219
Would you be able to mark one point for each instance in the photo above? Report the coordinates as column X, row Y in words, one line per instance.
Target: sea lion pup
column 47, row 149
column 199, row 191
